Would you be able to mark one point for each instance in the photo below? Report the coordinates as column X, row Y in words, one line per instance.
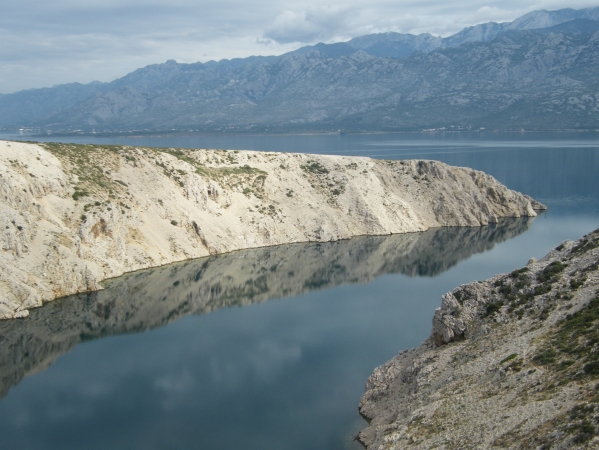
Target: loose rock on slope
column 74, row 215
column 512, row 362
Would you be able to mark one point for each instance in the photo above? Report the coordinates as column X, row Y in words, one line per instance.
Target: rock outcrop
column 512, row 362
column 74, row 215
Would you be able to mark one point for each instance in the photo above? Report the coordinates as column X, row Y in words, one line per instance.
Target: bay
column 270, row 348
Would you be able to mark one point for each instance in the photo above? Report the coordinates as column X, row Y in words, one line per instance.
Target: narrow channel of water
column 270, row 348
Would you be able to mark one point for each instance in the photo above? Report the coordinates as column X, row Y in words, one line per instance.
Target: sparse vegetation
column 509, row 358
column 492, row 308
column 550, row 272
column 588, row 243
column 90, row 165
column 315, row 167
column 574, row 344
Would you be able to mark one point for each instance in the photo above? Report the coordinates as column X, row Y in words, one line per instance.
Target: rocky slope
column 512, row 362
column 72, row 216
column 155, row 297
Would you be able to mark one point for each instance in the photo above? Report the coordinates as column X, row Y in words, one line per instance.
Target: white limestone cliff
column 74, row 215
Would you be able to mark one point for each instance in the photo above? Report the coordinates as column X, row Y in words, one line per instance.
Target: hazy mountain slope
column 394, row 45
column 536, row 79
column 533, row 79
column 401, row 45
column 293, row 88
column 28, row 107
column 533, row 20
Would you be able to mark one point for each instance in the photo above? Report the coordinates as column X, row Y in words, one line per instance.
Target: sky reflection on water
column 285, row 373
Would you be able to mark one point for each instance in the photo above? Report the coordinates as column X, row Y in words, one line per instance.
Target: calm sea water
column 271, row 348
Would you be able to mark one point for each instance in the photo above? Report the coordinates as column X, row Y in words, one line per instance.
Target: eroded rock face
column 512, row 362
column 74, row 215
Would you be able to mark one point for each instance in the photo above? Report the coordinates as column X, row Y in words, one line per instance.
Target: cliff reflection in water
column 155, row 297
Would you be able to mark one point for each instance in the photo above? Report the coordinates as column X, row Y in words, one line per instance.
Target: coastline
column 159, row 134
column 75, row 215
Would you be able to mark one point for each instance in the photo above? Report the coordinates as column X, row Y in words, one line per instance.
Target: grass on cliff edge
column 93, row 163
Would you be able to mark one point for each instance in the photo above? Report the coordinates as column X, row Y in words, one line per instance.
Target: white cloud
column 314, row 24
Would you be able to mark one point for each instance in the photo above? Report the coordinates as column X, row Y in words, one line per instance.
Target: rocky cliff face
column 512, row 362
column 72, row 216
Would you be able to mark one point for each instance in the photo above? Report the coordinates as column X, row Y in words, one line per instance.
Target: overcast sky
column 48, row 42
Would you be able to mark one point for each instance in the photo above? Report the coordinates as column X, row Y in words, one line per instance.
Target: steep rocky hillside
column 512, row 362
column 155, row 297
column 73, row 215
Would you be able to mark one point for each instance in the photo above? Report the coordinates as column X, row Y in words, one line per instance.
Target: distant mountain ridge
column 400, row 45
column 537, row 72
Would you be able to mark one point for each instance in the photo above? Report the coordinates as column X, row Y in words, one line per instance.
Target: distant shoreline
column 160, row 134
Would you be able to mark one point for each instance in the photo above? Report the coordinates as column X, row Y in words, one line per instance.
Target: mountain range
column 539, row 72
